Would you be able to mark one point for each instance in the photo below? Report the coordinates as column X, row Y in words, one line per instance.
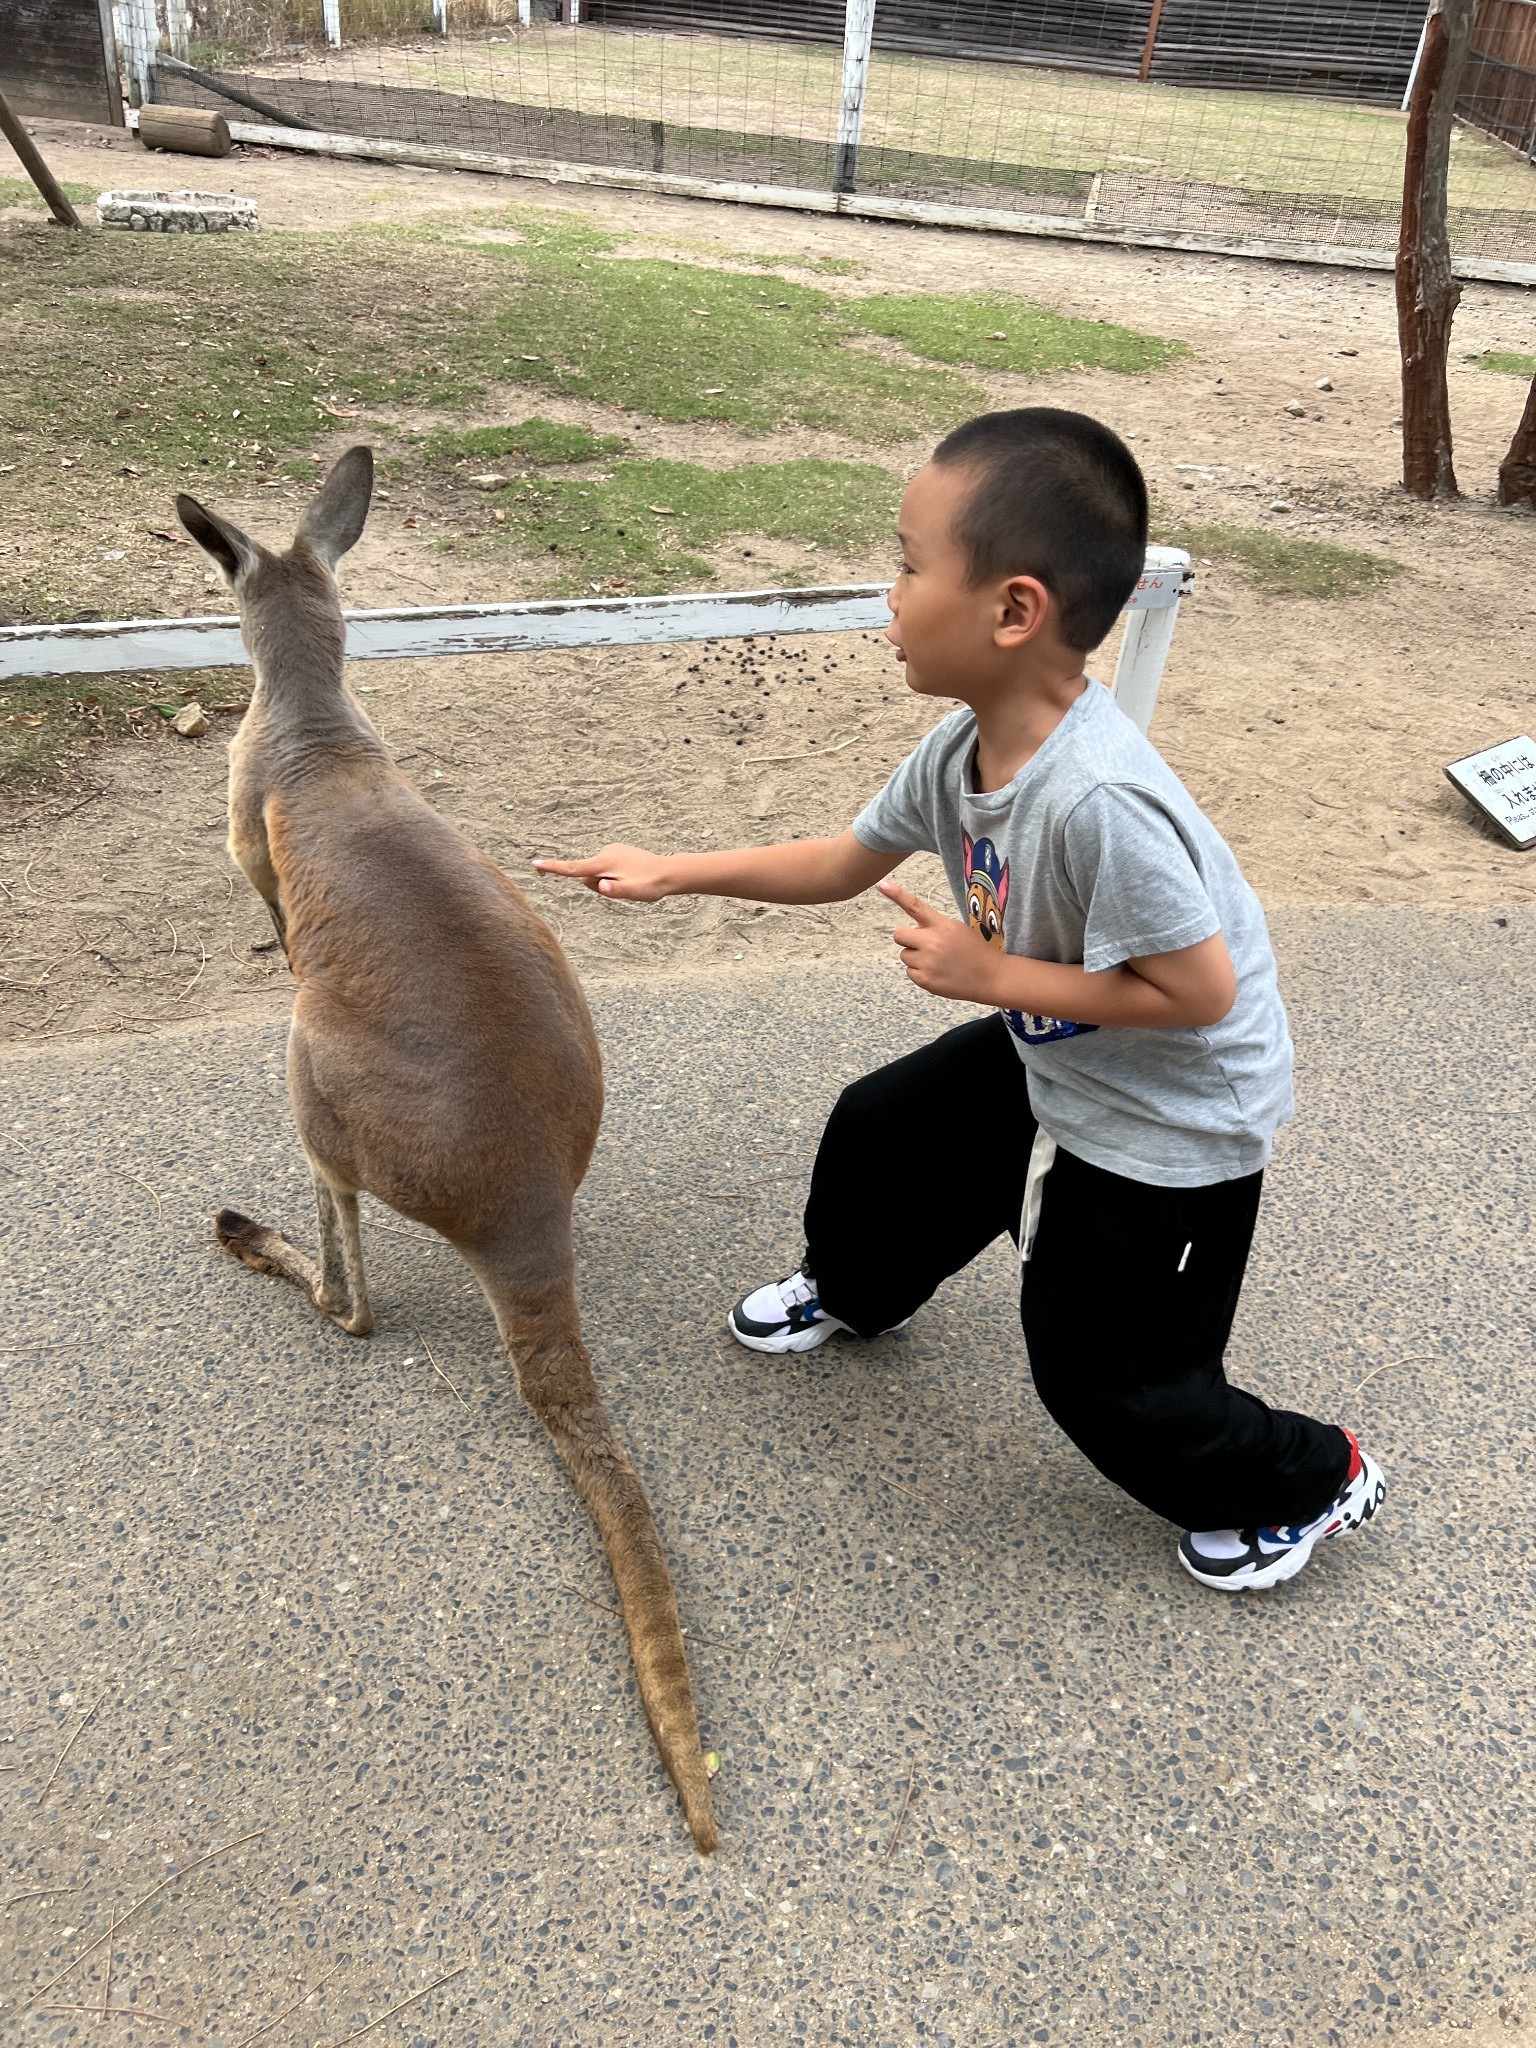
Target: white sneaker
column 783, row 1316
column 1250, row 1560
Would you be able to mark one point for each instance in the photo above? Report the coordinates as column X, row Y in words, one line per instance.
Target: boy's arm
column 1193, row 986
column 797, row 871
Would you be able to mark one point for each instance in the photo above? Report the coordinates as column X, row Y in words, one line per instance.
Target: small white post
column 177, row 27
column 1149, row 622
column 525, row 13
column 858, row 32
column 332, row 12
column 440, row 16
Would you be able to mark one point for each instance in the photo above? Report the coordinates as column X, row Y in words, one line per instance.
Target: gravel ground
column 993, row 1771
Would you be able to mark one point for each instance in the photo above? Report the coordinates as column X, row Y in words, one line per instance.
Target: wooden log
column 32, row 162
column 1517, row 472
column 193, row 131
column 1427, row 291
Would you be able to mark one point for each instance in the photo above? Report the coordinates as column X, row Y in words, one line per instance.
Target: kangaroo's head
column 288, row 603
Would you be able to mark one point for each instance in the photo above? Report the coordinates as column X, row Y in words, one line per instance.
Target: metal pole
column 36, row 169
column 858, row 31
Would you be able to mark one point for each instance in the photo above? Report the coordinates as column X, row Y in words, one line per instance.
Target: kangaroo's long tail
column 555, row 1374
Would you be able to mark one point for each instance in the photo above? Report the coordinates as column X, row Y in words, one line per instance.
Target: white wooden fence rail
column 414, row 633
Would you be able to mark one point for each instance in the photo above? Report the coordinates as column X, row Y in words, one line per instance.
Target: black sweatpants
column 1128, row 1296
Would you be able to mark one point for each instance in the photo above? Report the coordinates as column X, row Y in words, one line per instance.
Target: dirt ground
column 1315, row 733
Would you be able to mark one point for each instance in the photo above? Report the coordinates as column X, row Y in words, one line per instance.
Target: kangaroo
column 441, row 1053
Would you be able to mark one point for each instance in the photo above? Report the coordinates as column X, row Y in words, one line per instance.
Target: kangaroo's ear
column 235, row 552
column 335, row 519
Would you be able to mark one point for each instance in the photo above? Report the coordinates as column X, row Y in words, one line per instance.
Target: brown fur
column 441, row 1056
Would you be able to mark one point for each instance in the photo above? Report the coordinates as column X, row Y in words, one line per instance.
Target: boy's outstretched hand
column 624, row 871
column 941, row 954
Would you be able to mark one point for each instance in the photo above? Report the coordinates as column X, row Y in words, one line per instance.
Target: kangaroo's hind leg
column 337, row 1286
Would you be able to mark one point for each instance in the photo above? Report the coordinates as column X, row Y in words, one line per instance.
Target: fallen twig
column 46, row 1891
column 601, row 1605
column 101, row 2012
column 64, row 1752
column 810, row 754
column 448, row 1383
column 303, row 1995
column 1413, row 1358
column 415, row 1236
column 890, row 1847
column 144, row 1184
column 383, row 2016
column 192, row 984
column 794, row 1609
column 123, row 1918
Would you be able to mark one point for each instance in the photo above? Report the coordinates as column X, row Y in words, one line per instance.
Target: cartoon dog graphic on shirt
column 986, row 901
column 986, row 888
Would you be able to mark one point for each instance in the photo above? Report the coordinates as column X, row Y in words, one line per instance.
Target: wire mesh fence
column 1263, row 123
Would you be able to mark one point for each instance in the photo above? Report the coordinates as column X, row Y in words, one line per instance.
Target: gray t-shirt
column 1094, row 854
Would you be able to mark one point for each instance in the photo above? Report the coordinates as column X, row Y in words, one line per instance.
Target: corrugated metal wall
column 1353, row 49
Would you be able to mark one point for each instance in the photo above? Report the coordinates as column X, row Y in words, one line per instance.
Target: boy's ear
column 335, row 519
column 1027, row 605
column 235, row 552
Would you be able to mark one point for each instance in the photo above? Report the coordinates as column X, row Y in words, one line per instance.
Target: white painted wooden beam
column 417, row 632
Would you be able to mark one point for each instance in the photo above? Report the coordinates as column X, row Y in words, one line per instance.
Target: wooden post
column 1517, row 472
column 1427, row 292
column 32, row 161
column 1151, row 42
column 858, row 32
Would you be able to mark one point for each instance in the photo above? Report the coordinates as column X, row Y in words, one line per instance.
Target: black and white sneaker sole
column 781, row 1337
column 1368, row 1494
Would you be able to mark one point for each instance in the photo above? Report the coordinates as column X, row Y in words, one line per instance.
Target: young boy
column 1114, row 1114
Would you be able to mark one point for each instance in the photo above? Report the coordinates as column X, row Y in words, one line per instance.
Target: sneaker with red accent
column 1248, row 1560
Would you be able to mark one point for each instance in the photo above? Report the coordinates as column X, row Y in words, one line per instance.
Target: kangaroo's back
column 441, row 1055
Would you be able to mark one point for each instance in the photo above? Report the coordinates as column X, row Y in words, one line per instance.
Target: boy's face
column 954, row 637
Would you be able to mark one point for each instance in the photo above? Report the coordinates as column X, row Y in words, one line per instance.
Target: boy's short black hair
column 1060, row 497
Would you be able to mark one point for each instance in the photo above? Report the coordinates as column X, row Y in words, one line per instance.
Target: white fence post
column 177, row 27
column 858, row 30
column 1149, row 624
column 525, row 13
column 138, row 37
column 440, row 16
column 332, row 12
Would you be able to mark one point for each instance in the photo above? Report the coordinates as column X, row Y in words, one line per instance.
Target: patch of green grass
column 1284, row 565
column 824, row 266
column 536, row 442
column 686, row 343
column 22, row 192
column 43, row 717
column 223, row 353
column 995, row 331
column 642, row 524
column 1505, row 361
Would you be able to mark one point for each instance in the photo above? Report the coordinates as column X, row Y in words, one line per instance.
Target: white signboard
column 1501, row 781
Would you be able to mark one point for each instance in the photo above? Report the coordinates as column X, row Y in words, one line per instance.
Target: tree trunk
column 1517, row 472
column 1426, row 290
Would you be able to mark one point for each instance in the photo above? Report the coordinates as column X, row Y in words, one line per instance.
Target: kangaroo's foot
column 267, row 1251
